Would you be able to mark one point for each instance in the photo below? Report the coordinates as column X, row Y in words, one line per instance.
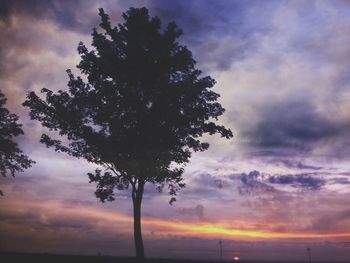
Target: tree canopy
column 12, row 159
column 140, row 111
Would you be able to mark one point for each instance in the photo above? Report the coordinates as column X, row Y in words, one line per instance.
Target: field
column 51, row 258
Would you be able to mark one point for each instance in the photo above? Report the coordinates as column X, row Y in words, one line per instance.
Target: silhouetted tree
column 139, row 114
column 12, row 159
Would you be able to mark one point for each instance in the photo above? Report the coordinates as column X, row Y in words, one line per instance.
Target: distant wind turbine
column 309, row 253
column 220, row 244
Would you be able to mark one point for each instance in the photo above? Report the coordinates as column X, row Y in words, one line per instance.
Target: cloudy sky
column 282, row 184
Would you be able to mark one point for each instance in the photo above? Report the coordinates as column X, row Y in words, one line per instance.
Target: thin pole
column 309, row 253
column 220, row 244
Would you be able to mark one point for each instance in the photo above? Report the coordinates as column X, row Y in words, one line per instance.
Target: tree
column 12, row 159
column 139, row 115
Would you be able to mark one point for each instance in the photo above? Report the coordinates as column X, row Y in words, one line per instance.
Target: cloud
column 299, row 129
column 66, row 15
column 304, row 180
column 251, row 183
column 287, row 95
column 197, row 211
column 208, row 180
column 339, row 180
column 203, row 30
column 258, row 183
column 331, row 221
column 218, row 34
column 293, row 164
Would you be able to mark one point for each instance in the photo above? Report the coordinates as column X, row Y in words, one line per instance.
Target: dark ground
column 7, row 257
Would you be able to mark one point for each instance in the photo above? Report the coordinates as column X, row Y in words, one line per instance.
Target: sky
column 281, row 185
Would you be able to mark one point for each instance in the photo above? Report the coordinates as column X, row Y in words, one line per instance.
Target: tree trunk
column 137, row 199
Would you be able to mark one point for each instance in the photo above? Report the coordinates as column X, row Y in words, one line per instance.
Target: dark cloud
column 5, row 8
column 345, row 173
column 271, row 152
column 303, row 180
column 61, row 222
column 19, row 217
column 289, row 163
column 197, row 211
column 339, row 180
column 251, row 183
column 256, row 182
column 197, row 19
column 295, row 126
column 218, row 32
column 250, row 179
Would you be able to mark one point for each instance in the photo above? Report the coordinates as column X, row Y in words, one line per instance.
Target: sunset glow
column 224, row 230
